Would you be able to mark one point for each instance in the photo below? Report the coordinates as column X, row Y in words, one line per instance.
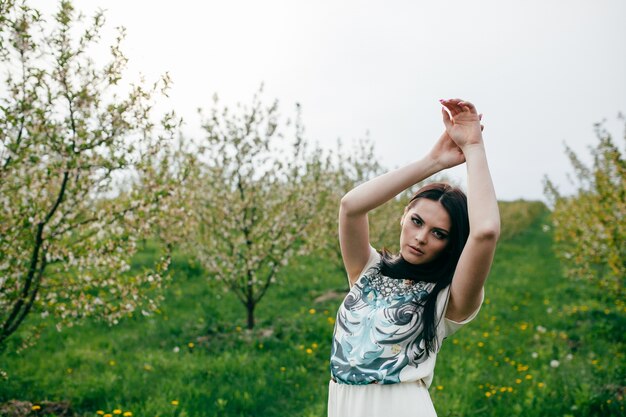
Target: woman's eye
column 417, row 221
column 439, row 235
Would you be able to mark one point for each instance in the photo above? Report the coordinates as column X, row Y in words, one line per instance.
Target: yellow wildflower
column 518, row 381
column 175, row 402
column 191, row 345
column 100, row 412
column 117, row 411
column 439, row 387
column 312, row 311
column 529, row 376
column 36, row 407
column 283, row 369
column 487, row 394
column 128, row 414
column 314, row 345
column 309, row 351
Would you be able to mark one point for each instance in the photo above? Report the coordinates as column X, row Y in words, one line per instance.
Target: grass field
column 540, row 346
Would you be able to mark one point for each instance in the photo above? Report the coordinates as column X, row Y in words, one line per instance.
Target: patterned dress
column 378, row 345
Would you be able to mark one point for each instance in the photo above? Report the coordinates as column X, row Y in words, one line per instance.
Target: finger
column 451, row 106
column 446, row 118
column 467, row 106
column 454, row 103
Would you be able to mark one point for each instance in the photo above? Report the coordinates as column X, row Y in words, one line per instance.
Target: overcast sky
column 542, row 71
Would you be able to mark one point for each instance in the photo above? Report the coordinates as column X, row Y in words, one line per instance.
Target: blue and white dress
column 378, row 364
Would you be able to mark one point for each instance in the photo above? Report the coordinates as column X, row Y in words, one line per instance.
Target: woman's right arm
column 353, row 222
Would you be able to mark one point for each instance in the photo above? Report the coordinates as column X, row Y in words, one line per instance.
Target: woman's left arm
column 463, row 125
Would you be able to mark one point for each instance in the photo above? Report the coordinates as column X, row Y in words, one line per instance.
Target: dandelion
column 174, row 402
column 523, row 326
column 331, row 320
column 191, row 345
column 36, row 408
column 541, row 385
column 238, row 328
column 283, row 369
column 117, row 411
column 518, row 381
column 260, row 345
column 439, row 387
column 529, row 376
column 112, row 362
column 503, row 389
column 312, row 311
column 488, row 394
column 70, row 370
column 309, row 351
column 510, row 389
column 314, row 345
column 480, row 344
column 554, row 363
column 100, row 412
column 485, row 334
column 108, row 415
column 594, row 362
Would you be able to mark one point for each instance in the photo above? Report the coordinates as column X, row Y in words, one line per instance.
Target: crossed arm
column 461, row 142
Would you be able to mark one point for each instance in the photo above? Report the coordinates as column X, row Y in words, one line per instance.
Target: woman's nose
column 421, row 236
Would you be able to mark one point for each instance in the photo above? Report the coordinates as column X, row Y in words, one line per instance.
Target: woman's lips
column 416, row 251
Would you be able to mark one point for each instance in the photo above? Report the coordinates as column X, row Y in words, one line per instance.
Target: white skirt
column 405, row 399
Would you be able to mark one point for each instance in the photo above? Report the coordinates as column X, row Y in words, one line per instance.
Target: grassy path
column 540, row 346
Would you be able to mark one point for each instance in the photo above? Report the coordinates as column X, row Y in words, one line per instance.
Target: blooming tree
column 590, row 225
column 258, row 196
column 81, row 173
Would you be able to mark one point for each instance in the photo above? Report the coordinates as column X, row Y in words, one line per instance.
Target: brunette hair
column 440, row 270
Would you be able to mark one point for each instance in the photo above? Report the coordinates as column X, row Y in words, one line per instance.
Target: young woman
column 391, row 324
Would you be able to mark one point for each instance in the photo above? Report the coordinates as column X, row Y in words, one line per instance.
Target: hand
column 462, row 122
column 446, row 152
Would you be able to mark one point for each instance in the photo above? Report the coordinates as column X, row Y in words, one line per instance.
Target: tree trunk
column 250, row 307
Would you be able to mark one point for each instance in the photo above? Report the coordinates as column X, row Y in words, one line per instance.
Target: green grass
column 499, row 365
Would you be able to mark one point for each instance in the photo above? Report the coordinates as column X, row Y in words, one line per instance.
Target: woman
column 390, row 326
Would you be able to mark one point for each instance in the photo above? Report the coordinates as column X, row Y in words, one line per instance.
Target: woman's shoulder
column 374, row 258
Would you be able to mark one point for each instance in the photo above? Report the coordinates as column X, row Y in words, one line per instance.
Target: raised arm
column 353, row 222
column 463, row 126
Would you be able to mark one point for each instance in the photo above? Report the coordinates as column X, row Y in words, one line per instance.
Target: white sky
column 542, row 71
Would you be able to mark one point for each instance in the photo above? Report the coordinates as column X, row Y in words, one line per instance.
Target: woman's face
column 425, row 231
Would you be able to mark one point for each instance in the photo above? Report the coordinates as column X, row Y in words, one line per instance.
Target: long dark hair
column 440, row 270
